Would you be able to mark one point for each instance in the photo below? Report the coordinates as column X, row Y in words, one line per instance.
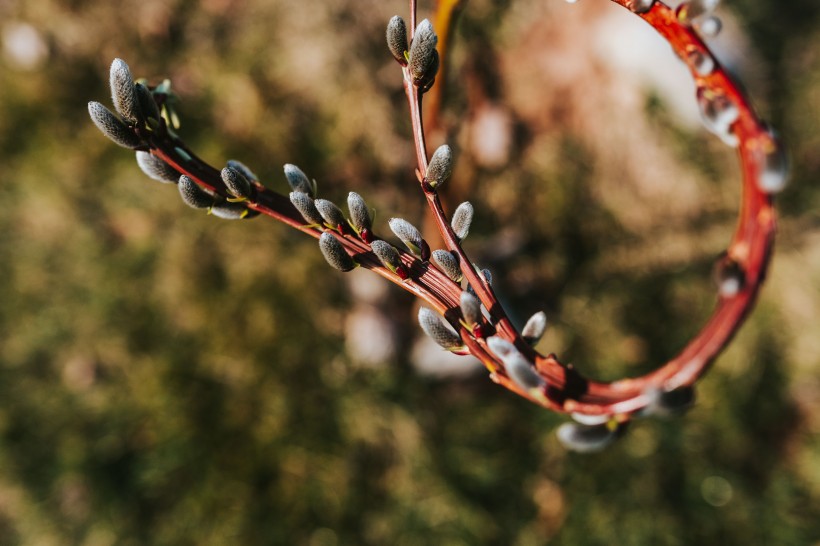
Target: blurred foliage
column 168, row 378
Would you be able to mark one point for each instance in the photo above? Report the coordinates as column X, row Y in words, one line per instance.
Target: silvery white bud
column 112, row 126
column 147, row 105
column 585, row 439
column 397, row 39
column 640, row 6
column 304, row 204
column 237, row 184
column 408, row 234
column 359, row 214
column 422, row 56
column 500, row 347
column 462, row 218
column 299, row 181
column 729, row 277
column 387, row 254
column 123, row 93
column 437, row 328
column 227, row 210
column 440, row 167
column 194, row 195
column 669, row 403
column 335, row 253
column 448, row 263
column 534, row 329
column 156, row 168
column 470, row 308
column 243, row 169
column 331, row 214
column 522, row 372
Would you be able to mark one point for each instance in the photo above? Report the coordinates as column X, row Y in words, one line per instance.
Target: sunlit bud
column 437, row 328
column 228, row 210
column 397, row 39
column 448, row 263
column 422, row 56
column 236, row 183
column 112, row 126
column 687, row 12
column 534, row 329
column 147, row 105
column 440, row 167
column 123, row 93
column 462, row 218
column 408, row 234
column 500, row 347
column 774, row 166
column 389, row 257
column 243, row 169
column 669, row 403
column 585, row 439
column 709, row 27
column 701, row 61
column 640, row 6
column 522, row 372
column 470, row 309
column 729, row 277
column 331, row 214
column 304, row 204
column 194, row 195
column 299, row 181
column 718, row 113
column 335, row 253
column 359, row 215
column 157, row 168
column 590, row 420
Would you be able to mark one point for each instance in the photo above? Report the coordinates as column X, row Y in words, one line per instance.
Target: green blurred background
column 170, row 378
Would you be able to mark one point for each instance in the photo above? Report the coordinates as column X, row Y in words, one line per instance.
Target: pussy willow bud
column 304, row 204
column 534, row 329
column 462, row 218
column 157, row 168
column 389, row 257
column 423, row 53
column 331, row 214
column 488, row 278
column 729, row 277
column 437, row 328
column 397, row 39
column 440, row 167
column 448, row 263
column 147, row 105
column 359, row 216
column 774, row 166
column 640, row 6
column 688, row 11
column 228, row 210
column 243, row 169
column 194, row 195
column 335, row 253
column 500, row 347
column 299, row 181
column 586, row 439
column 408, row 234
column 112, row 126
column 236, row 183
column 470, row 308
column 670, row 403
column 590, row 420
column 522, row 373
column 123, row 94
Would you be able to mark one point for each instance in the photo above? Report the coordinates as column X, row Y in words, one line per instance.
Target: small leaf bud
column 306, row 207
column 470, row 309
column 156, row 168
column 409, row 235
column 448, row 263
column 440, row 167
column 335, row 253
column 422, row 54
column 437, row 328
column 194, row 195
column 299, row 181
column 462, row 218
column 123, row 93
column 331, row 214
column 112, row 126
column 534, row 329
column 238, row 186
column 397, row 39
